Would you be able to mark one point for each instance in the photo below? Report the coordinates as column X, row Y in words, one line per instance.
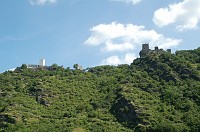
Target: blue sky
column 93, row 32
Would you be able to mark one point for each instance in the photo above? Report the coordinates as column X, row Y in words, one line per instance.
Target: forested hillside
column 157, row 93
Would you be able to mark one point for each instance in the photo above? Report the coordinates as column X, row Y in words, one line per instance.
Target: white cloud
column 42, row 2
column 115, row 60
column 185, row 14
column 121, row 39
column 118, row 47
column 129, row 1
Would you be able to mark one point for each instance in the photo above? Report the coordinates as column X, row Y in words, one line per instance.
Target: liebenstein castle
column 146, row 51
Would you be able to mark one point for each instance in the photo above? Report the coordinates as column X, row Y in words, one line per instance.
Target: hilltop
column 158, row 92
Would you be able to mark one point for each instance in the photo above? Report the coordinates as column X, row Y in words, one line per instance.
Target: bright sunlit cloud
column 125, row 38
column 185, row 14
column 121, row 37
column 115, row 59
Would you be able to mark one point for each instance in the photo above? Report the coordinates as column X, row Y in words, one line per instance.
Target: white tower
column 42, row 62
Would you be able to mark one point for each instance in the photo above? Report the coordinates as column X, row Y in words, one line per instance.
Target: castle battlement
column 146, row 50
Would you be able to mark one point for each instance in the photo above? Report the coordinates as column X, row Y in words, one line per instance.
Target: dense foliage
column 158, row 93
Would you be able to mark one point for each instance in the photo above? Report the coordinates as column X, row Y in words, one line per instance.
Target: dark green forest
column 157, row 93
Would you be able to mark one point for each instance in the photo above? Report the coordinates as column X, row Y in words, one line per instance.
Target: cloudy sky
column 93, row 32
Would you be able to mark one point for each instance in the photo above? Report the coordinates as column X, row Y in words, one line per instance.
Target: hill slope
column 155, row 93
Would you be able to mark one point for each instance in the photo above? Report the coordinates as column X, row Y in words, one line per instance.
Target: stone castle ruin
column 146, row 51
column 41, row 65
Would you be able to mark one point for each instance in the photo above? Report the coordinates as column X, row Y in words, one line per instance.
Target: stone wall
column 146, row 51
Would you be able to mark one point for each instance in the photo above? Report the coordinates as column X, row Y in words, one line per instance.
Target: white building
column 42, row 62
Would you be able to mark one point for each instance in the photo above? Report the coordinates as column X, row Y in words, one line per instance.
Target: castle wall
column 146, row 51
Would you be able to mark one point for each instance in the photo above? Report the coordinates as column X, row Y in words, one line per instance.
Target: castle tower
column 145, row 47
column 145, row 50
column 169, row 51
column 42, row 62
